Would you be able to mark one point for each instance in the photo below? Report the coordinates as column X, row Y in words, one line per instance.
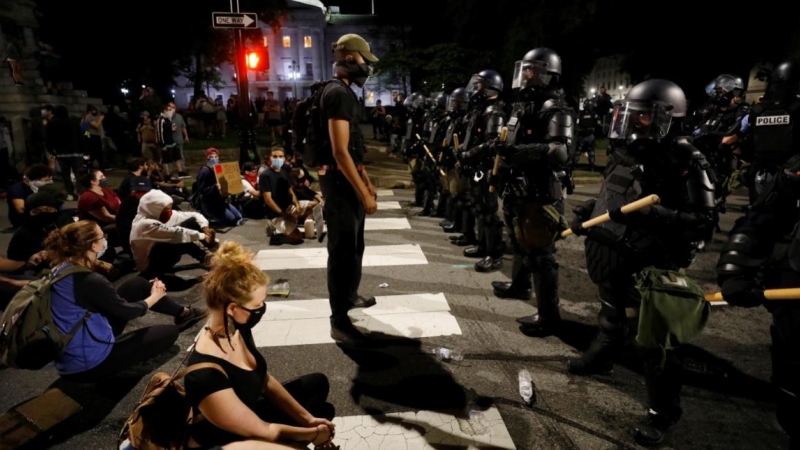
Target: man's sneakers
column 191, row 317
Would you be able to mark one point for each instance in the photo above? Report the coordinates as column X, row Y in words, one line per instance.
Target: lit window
column 287, row 42
column 370, row 97
column 307, row 41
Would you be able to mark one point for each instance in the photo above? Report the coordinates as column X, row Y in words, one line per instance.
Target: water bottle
column 525, row 385
column 448, row 354
column 308, row 228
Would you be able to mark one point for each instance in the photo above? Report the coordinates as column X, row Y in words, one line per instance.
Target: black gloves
column 617, row 215
column 743, row 292
column 577, row 226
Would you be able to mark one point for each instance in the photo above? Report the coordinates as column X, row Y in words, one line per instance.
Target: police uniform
column 588, row 124
column 485, row 123
column 541, row 130
column 763, row 249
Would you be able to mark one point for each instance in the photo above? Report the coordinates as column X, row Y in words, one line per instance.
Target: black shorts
column 274, row 122
column 170, row 155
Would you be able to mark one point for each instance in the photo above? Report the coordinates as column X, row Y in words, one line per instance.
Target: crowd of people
column 470, row 150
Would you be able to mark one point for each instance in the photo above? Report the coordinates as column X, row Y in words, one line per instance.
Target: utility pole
column 247, row 138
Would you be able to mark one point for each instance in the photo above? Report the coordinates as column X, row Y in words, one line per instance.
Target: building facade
column 300, row 54
column 608, row 73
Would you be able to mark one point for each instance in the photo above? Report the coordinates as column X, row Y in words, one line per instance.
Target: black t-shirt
column 276, row 183
column 22, row 191
column 246, row 384
column 124, row 189
column 340, row 102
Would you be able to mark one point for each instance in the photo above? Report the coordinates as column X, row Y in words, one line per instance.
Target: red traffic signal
column 257, row 60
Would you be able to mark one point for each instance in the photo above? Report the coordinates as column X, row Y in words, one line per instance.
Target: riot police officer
column 588, row 124
column 413, row 153
column 658, row 159
column 763, row 249
column 540, row 135
column 485, row 122
column 717, row 135
column 455, row 184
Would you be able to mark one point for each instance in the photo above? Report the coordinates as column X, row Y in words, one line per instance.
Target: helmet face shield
column 529, row 74
column 475, row 85
column 640, row 120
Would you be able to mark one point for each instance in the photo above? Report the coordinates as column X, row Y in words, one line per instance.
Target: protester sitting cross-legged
column 246, row 402
column 160, row 236
column 42, row 217
column 213, row 204
column 99, row 349
column 283, row 208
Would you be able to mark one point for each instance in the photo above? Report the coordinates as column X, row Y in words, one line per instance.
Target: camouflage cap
column 355, row 43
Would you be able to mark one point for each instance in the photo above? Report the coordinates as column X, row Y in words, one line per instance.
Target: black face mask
column 356, row 73
column 252, row 321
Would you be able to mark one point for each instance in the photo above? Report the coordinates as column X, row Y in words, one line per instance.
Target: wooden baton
column 629, row 208
column 430, row 155
column 769, row 294
column 498, row 158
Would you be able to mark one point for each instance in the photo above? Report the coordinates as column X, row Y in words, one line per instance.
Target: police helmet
column 647, row 111
column 458, row 100
column 438, row 101
column 784, row 83
column 415, row 101
column 487, row 81
column 537, row 68
column 724, row 88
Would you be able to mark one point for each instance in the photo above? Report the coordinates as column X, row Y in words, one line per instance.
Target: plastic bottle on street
column 448, row 354
column 308, row 229
column 525, row 385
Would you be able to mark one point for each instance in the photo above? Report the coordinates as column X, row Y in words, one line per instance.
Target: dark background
column 110, row 43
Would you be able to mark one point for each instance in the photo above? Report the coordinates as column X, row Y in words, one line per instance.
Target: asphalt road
column 419, row 402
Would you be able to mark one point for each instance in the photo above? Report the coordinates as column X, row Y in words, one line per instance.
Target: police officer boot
column 489, row 264
column 651, row 431
column 455, row 238
column 506, row 289
column 547, row 321
column 345, row 333
column 598, row 359
column 442, row 206
column 449, row 214
column 476, row 251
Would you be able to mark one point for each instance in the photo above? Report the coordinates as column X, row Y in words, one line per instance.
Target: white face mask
column 103, row 251
column 37, row 184
column 169, row 113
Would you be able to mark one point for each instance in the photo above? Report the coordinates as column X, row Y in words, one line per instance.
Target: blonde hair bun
column 231, row 254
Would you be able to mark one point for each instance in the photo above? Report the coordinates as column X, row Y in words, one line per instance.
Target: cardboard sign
column 229, row 178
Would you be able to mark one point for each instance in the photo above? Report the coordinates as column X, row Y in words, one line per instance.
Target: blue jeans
column 228, row 215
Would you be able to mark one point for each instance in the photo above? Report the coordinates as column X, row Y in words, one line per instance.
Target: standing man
column 180, row 134
column 345, row 184
column 273, row 110
column 169, row 151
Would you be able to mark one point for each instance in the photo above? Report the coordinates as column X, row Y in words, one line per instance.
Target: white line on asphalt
column 383, row 206
column 385, row 193
column 317, row 257
column 399, row 223
column 306, row 322
column 423, row 430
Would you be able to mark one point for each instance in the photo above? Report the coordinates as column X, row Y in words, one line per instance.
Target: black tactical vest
column 776, row 136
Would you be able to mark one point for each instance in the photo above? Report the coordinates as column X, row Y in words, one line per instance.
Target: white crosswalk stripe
column 317, row 257
column 305, row 322
column 385, row 193
column 388, row 206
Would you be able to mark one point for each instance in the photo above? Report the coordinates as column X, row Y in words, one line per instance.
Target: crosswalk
column 417, row 315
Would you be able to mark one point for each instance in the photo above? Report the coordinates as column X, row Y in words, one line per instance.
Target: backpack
column 309, row 133
column 29, row 338
column 162, row 417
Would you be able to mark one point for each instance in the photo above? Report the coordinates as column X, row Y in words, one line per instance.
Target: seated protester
column 283, row 208
column 42, row 217
column 175, row 188
column 37, row 176
column 212, row 203
column 128, row 208
column 98, row 202
column 161, row 236
column 250, row 201
column 136, row 167
column 99, row 348
column 246, row 402
column 11, row 281
column 302, row 189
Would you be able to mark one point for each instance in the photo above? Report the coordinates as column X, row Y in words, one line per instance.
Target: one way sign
column 234, row 20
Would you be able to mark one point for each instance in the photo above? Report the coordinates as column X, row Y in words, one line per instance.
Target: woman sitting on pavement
column 246, row 402
column 160, row 236
column 99, row 348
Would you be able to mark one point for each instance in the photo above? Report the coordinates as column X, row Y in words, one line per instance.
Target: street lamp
column 124, row 91
column 294, row 74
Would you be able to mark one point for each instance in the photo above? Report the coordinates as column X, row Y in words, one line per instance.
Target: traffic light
column 257, row 59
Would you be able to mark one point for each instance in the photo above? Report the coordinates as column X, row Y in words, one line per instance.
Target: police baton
column 769, row 294
column 430, row 155
column 650, row 200
column 497, row 160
